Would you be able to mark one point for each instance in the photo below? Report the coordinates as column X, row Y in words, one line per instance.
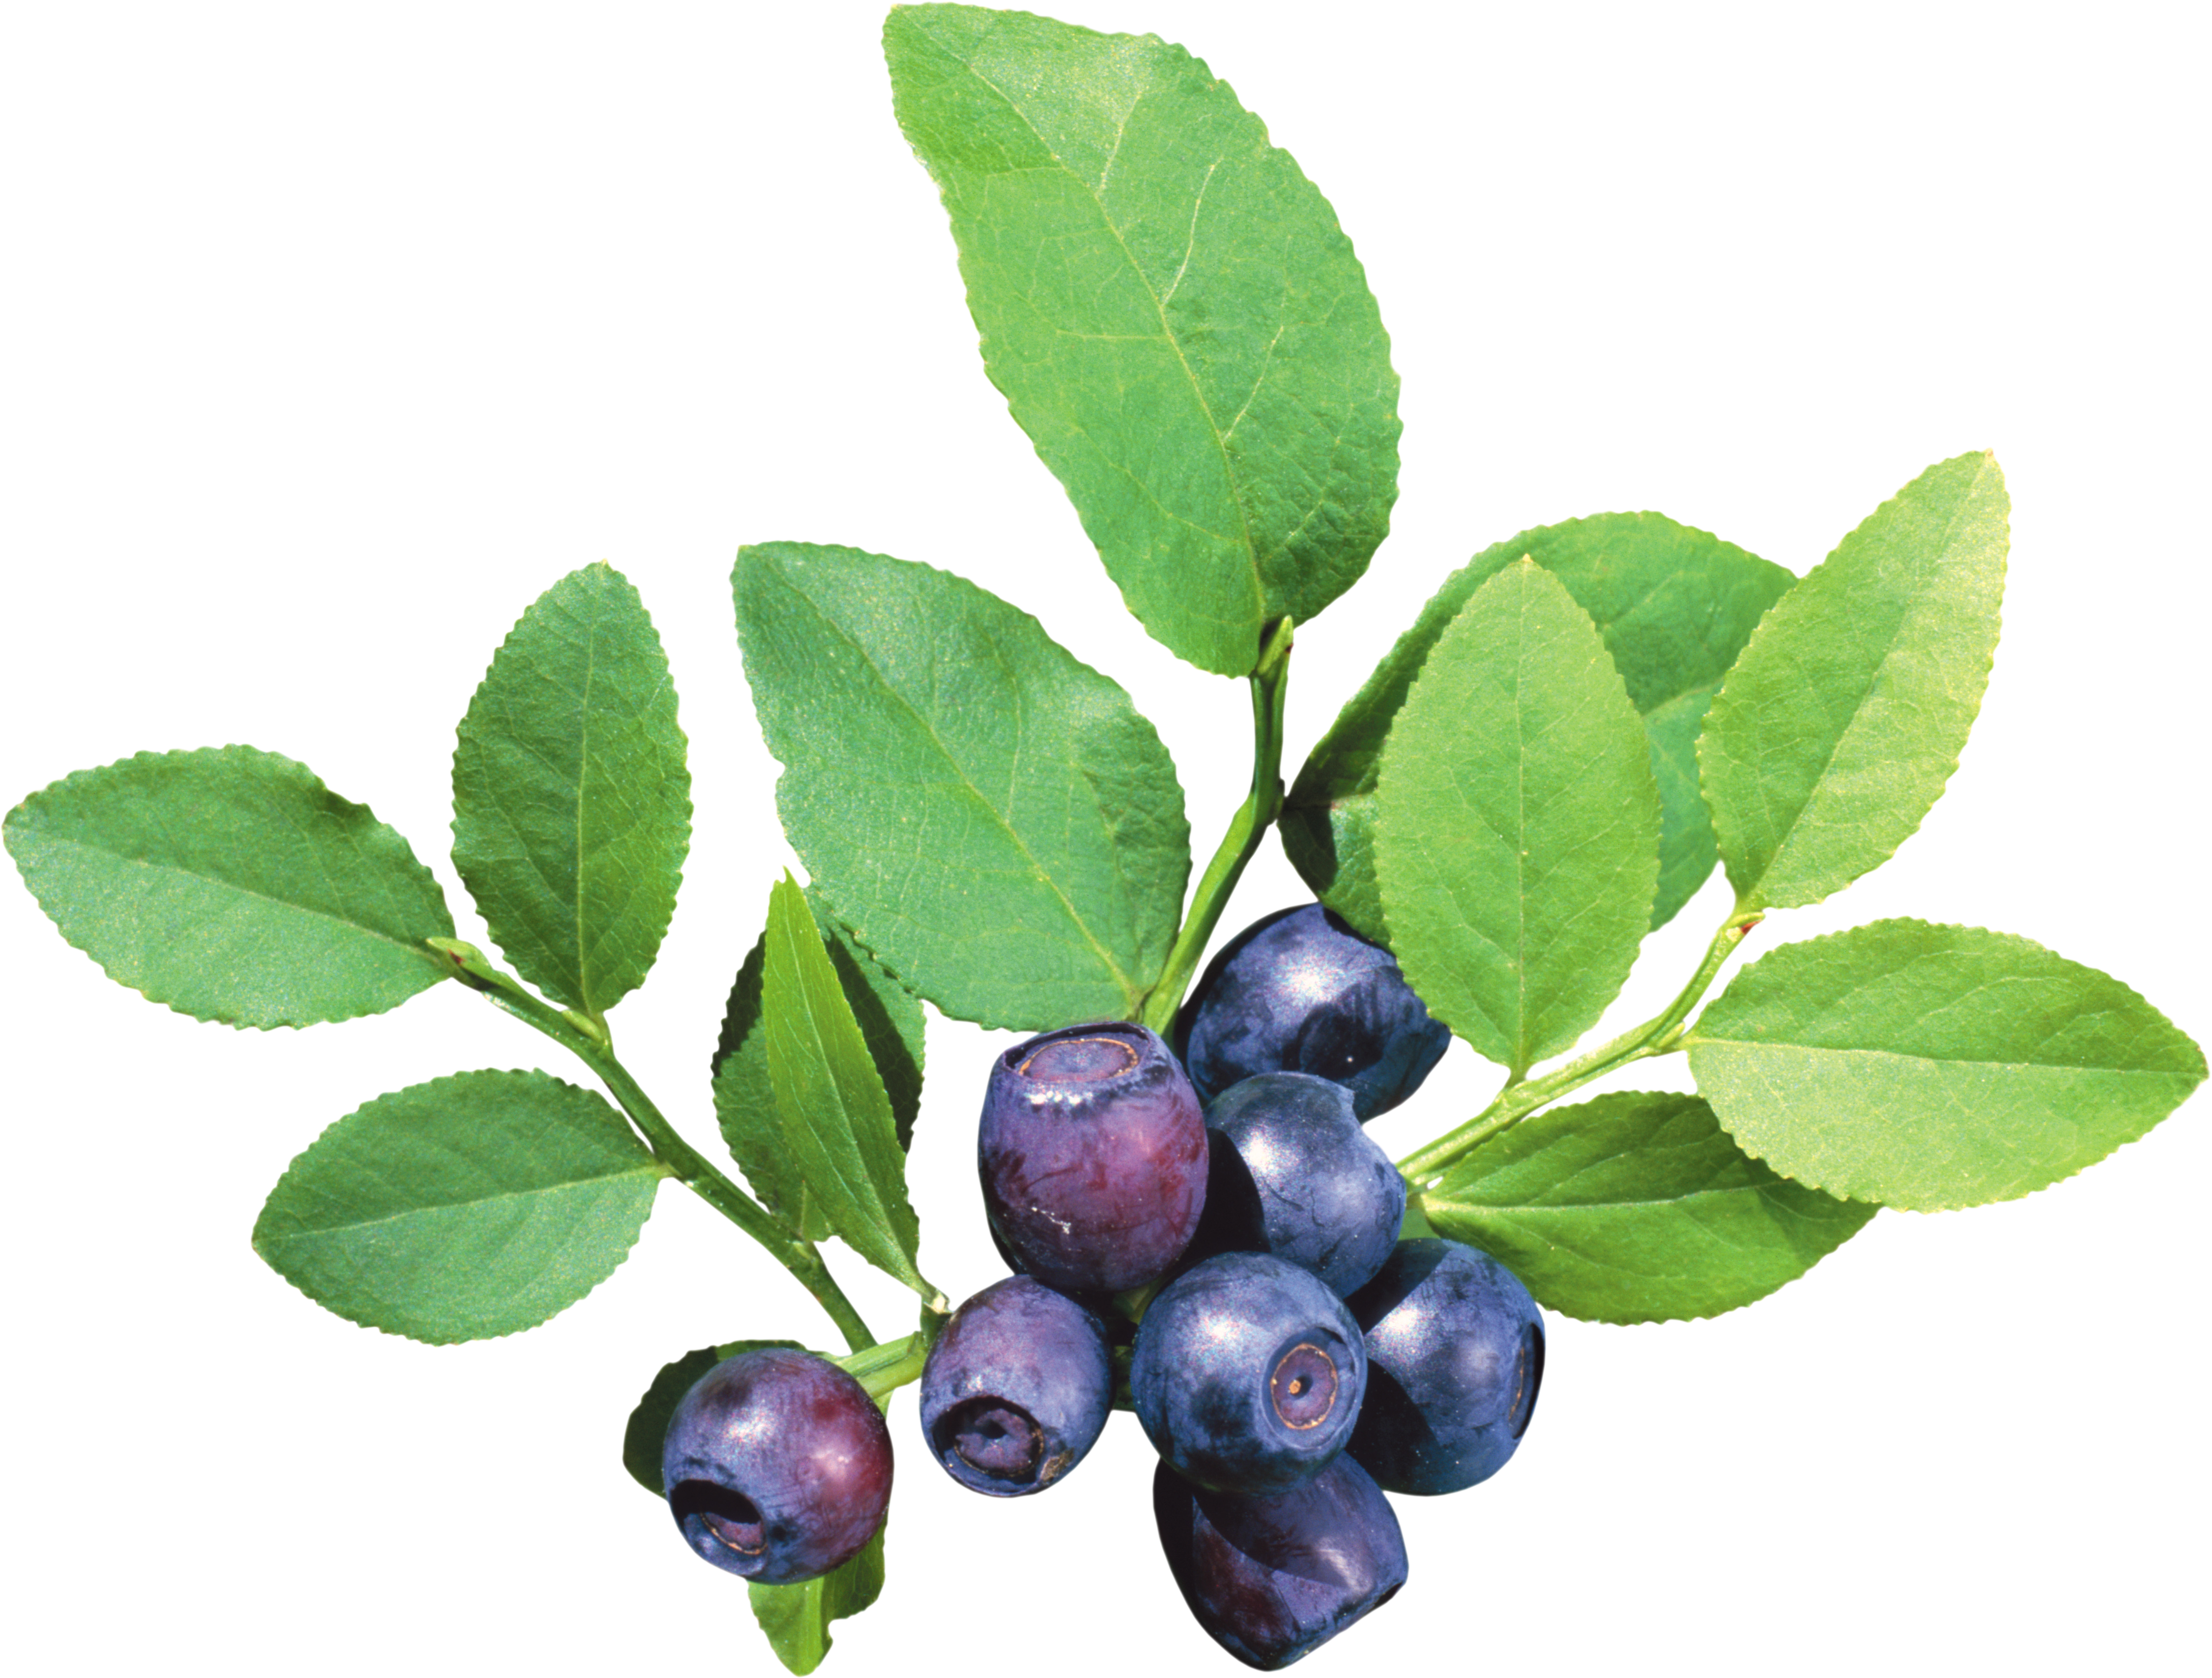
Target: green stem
column 883, row 1370
column 1242, row 841
column 691, row 1168
column 1656, row 1036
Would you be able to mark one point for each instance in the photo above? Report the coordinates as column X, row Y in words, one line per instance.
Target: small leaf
column 1836, row 731
column 1674, row 605
column 1929, row 1066
column 1636, row 1207
column 993, row 820
column 890, row 1020
column 467, row 1207
column 232, row 885
column 796, row 1617
column 1171, row 311
column 1517, row 839
column 571, row 805
column 647, row 1428
column 836, row 1117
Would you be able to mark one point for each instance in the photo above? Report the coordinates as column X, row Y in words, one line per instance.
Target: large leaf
column 232, row 885
column 796, row 1617
column 469, row 1207
column 837, row 1116
column 572, row 806
column 1171, row 310
column 647, row 1427
column 1674, row 605
column 993, row 819
column 1837, row 729
column 1636, row 1207
column 1927, row 1067
column 890, row 1020
column 1517, row 832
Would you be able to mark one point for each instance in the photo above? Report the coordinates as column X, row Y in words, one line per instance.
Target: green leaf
column 1836, row 730
column 796, row 1617
column 1636, row 1207
column 993, row 820
column 466, row 1207
column 1171, row 311
column 232, row 885
column 890, row 1021
column 1929, row 1066
column 1517, row 833
column 837, row 1116
column 647, row 1428
column 1674, row 605
column 572, row 806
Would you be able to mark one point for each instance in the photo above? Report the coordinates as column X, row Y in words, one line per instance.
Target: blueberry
column 1016, row 1389
column 1455, row 1356
column 778, row 1466
column 1293, row 1174
column 1092, row 1152
column 1301, row 992
column 1273, row 1578
column 1247, row 1374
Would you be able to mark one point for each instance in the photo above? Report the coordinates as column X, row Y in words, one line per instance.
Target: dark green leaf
column 836, row 1117
column 1636, row 1207
column 572, row 806
column 796, row 1617
column 890, row 1020
column 460, row 1209
column 1929, row 1067
column 1837, row 729
column 1171, row 311
column 648, row 1423
column 232, row 885
column 993, row 820
column 1675, row 606
column 1517, row 831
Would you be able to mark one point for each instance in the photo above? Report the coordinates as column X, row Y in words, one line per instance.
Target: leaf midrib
column 306, row 1231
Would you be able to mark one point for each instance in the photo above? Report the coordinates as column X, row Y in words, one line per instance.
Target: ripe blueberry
column 1455, row 1355
column 1293, row 1174
column 1016, row 1389
column 778, row 1466
column 1273, row 1578
column 1093, row 1153
column 1301, row 992
column 1247, row 1374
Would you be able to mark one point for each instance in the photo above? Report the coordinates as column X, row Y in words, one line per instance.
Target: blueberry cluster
column 1290, row 1359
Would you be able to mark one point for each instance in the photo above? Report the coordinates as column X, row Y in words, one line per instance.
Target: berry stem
column 1659, row 1034
column 1242, row 841
column 691, row 1168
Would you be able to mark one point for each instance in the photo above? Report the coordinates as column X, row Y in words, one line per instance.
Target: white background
column 332, row 335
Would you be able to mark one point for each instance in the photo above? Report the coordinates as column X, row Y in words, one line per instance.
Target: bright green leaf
column 837, row 1116
column 1837, row 729
column 993, row 820
column 572, row 806
column 1674, row 605
column 890, row 1020
column 1517, row 837
column 1171, row 310
column 647, row 1427
column 232, row 885
column 1636, row 1207
column 796, row 1617
column 1927, row 1067
column 462, row 1208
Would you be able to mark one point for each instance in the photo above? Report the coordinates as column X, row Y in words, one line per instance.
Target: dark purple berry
column 1093, row 1153
column 778, row 1466
column 1301, row 992
column 1294, row 1175
column 1247, row 1374
column 1273, row 1578
column 1454, row 1355
column 1016, row 1389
